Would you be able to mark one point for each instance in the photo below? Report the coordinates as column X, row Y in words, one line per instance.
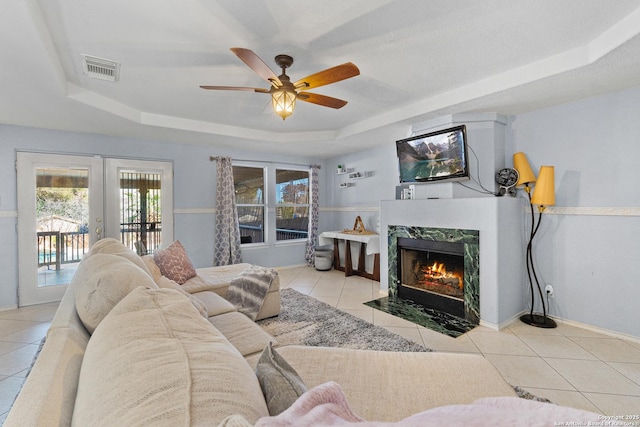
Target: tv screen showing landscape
column 436, row 156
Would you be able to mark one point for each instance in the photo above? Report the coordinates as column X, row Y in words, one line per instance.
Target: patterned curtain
column 312, row 236
column 227, row 238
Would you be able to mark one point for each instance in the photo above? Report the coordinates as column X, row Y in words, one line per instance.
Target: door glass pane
column 62, row 218
column 141, row 211
column 249, row 187
column 292, row 200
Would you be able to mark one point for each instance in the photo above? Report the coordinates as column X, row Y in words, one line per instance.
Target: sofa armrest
column 49, row 392
column 390, row 386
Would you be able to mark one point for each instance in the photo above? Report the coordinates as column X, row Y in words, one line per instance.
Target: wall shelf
column 360, row 175
column 346, row 184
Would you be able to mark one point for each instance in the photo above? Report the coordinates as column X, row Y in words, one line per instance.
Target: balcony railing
column 254, row 233
column 56, row 248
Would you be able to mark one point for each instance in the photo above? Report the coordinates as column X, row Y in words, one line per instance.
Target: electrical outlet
column 549, row 290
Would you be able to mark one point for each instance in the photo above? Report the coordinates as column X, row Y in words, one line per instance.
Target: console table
column 369, row 245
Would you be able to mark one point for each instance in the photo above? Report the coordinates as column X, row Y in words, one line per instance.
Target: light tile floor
column 569, row 365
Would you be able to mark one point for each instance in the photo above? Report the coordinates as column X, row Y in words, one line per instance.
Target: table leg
column 361, row 258
column 336, row 256
column 376, row 267
column 348, row 263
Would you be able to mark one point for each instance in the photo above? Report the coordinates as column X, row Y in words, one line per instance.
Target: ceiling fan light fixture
column 284, row 101
column 283, row 92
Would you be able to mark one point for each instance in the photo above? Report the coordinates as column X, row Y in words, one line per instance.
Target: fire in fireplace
column 431, row 274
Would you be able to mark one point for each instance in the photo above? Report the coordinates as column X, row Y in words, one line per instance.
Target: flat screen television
column 439, row 156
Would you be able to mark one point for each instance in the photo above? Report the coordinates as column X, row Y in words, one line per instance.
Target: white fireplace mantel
column 502, row 264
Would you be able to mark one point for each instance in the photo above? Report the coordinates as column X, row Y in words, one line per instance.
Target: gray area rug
column 304, row 320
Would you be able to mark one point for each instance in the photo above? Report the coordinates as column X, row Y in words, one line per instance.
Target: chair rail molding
column 593, row 211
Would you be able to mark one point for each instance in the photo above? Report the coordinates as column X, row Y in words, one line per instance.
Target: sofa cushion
column 214, row 303
column 280, row 383
column 174, row 263
column 150, row 262
column 102, row 281
column 216, row 279
column 112, row 246
column 155, row 361
column 243, row 333
column 166, row 283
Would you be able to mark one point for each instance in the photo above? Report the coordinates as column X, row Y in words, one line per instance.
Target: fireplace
column 432, row 274
column 436, row 268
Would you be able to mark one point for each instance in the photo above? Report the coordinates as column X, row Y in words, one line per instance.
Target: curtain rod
column 212, row 158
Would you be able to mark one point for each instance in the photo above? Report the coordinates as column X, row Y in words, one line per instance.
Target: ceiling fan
column 283, row 92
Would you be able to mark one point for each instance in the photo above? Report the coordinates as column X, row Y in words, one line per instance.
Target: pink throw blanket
column 327, row 406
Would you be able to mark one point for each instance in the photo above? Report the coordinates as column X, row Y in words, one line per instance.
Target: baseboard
column 603, row 331
column 290, row 266
column 598, row 330
column 8, row 307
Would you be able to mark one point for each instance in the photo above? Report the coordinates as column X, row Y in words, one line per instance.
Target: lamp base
column 538, row 320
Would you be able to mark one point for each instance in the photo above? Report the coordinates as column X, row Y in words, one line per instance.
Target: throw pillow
column 174, row 263
column 280, row 383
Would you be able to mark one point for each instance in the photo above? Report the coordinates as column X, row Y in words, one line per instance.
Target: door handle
column 98, row 229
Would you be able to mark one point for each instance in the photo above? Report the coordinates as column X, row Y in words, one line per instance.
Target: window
column 250, row 196
column 273, row 203
column 292, row 204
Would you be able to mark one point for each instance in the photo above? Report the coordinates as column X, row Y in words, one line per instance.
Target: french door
column 66, row 203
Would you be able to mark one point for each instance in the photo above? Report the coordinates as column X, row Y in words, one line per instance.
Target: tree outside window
column 292, row 204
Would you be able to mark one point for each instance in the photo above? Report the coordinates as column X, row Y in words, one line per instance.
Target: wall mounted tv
column 439, row 156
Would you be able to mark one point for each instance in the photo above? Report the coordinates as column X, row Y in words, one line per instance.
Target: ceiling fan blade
column 325, row 101
column 330, row 75
column 256, row 64
column 247, row 89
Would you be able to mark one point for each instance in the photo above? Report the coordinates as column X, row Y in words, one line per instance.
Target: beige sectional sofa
column 122, row 350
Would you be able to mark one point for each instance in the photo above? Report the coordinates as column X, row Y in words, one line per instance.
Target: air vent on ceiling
column 100, row 68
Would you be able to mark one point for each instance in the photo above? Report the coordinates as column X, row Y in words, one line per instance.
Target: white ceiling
column 418, row 59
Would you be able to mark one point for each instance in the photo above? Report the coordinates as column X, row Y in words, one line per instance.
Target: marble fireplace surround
column 469, row 238
column 500, row 223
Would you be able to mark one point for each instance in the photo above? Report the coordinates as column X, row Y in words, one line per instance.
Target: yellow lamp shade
column 521, row 164
column 284, row 101
column 544, row 193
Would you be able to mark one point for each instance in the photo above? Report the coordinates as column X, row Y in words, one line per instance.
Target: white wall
column 194, row 193
column 589, row 251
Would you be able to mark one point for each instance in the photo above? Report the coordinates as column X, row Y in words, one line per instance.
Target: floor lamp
column 543, row 196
